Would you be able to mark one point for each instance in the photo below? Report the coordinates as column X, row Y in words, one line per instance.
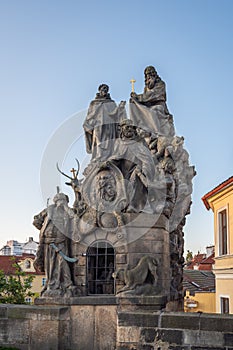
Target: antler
column 78, row 168
column 69, row 177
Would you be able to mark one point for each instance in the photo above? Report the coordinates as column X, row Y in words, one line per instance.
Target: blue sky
column 54, row 54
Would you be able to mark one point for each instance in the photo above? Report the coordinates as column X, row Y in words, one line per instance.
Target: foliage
column 15, row 288
column 189, row 255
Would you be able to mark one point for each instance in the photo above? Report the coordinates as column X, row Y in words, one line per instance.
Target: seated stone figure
column 135, row 161
column 149, row 110
column 52, row 254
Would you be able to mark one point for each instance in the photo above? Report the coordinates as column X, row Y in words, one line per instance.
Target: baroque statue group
column 138, row 166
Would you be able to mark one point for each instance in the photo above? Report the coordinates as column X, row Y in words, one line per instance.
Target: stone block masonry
column 175, row 331
column 106, row 326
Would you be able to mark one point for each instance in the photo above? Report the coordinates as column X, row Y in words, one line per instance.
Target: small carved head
column 103, row 90
column 61, row 199
column 128, row 130
column 150, row 77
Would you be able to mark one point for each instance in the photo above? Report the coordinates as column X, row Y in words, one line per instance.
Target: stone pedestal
column 141, row 235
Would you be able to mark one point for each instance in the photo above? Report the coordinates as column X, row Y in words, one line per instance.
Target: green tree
column 15, row 288
column 189, row 255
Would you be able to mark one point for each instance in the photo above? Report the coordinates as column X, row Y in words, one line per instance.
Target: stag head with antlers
column 74, row 182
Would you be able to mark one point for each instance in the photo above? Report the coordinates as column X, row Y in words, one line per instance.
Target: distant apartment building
column 220, row 201
column 16, row 248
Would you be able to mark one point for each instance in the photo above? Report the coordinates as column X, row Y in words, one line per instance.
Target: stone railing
column 106, row 325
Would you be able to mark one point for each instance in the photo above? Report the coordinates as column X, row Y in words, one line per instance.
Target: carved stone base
column 143, row 235
column 125, row 303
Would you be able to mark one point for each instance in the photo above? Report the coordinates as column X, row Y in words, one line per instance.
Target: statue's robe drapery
column 54, row 229
column 101, row 127
column 149, row 111
column 136, row 152
column 132, row 154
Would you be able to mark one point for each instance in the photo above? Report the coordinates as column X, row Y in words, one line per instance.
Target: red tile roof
column 6, row 262
column 201, row 262
column 215, row 190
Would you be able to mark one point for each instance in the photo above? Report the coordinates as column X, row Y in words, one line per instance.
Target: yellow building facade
column 220, row 201
column 26, row 265
column 200, row 302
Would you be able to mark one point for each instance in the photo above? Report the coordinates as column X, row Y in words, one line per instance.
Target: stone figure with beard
column 149, row 110
column 54, row 224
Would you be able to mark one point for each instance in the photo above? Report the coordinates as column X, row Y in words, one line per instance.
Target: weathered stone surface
column 219, row 323
column 105, row 328
column 88, row 300
column 80, row 271
column 121, row 259
column 146, row 347
column 207, row 348
column 122, row 249
column 46, row 335
column 146, row 300
column 81, row 262
column 83, row 327
column 64, row 334
column 145, row 220
column 149, row 247
column 4, row 331
column 180, row 320
column 178, row 347
column 148, row 335
column 228, row 339
column 128, row 335
column 139, row 319
column 3, row 312
column 202, row 338
column 36, row 312
column 102, row 327
column 170, row 336
column 13, row 331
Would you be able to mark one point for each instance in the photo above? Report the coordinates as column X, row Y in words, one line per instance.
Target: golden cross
column 132, row 81
column 73, row 171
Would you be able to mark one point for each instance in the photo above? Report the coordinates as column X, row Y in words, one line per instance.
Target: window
column 100, row 266
column 43, row 281
column 222, row 219
column 28, row 300
column 27, row 264
column 224, row 302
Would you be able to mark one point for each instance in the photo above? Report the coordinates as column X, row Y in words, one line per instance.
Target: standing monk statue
column 101, row 124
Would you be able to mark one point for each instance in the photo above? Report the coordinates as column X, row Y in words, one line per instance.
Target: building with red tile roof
column 202, row 261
